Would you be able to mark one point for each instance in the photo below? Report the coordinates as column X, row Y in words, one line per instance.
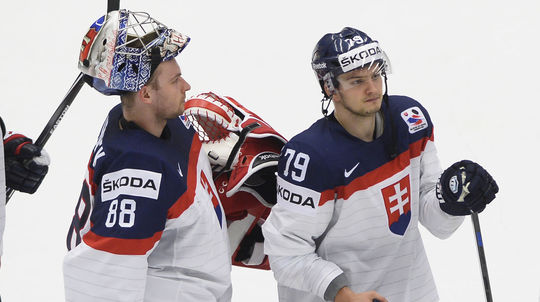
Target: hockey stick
column 481, row 255
column 113, row 5
column 56, row 118
column 66, row 102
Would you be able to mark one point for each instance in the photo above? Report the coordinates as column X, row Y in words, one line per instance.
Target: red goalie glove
column 244, row 151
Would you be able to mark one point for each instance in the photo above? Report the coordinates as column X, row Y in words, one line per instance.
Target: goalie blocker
column 244, row 152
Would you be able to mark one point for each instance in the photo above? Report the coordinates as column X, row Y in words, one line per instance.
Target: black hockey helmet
column 341, row 52
column 348, row 50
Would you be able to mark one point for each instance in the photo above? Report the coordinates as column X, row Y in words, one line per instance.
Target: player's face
column 170, row 90
column 360, row 91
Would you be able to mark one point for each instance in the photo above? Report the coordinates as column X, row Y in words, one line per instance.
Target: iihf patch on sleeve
column 415, row 119
column 186, row 121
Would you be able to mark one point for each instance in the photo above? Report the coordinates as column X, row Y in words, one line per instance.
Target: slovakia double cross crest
column 398, row 205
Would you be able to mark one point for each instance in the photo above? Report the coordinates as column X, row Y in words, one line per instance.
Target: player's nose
column 185, row 85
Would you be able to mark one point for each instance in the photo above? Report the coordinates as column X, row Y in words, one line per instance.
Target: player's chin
column 175, row 113
column 181, row 109
column 181, row 105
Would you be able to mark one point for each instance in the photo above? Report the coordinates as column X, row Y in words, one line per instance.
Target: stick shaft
column 481, row 256
column 113, row 5
column 55, row 119
column 66, row 102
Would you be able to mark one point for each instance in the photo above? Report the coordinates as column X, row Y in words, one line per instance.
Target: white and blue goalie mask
column 122, row 49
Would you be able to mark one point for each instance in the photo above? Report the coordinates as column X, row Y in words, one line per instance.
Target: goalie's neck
column 145, row 121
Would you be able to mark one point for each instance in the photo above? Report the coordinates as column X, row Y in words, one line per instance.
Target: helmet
column 122, row 49
column 341, row 52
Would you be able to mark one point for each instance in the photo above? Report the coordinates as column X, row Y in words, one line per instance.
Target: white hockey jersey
column 148, row 225
column 346, row 206
column 2, row 198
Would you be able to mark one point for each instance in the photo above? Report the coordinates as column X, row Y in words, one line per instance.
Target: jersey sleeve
column 129, row 210
column 439, row 223
column 300, row 218
column 2, row 197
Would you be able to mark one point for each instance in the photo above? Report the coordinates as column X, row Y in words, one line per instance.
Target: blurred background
column 472, row 64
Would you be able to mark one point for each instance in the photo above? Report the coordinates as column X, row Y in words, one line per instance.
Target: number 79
column 300, row 164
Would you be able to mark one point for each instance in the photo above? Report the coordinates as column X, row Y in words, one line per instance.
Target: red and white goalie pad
column 244, row 152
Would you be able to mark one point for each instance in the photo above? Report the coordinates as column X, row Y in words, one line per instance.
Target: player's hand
column 26, row 164
column 464, row 188
column 247, row 245
column 347, row 295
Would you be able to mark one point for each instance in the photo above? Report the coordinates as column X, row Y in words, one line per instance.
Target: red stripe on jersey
column 121, row 246
column 378, row 175
column 186, row 200
column 93, row 187
column 326, row 196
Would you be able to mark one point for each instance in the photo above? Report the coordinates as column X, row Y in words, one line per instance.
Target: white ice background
column 473, row 64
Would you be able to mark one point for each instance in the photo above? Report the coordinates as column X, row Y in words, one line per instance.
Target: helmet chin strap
column 328, row 83
column 391, row 147
column 324, row 109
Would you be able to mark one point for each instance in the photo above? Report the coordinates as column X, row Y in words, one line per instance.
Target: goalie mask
column 122, row 49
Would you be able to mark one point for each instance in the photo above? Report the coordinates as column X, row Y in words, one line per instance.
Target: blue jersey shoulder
column 132, row 165
column 412, row 122
column 403, row 106
column 326, row 156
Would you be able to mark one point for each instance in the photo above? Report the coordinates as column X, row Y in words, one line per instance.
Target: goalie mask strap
column 156, row 59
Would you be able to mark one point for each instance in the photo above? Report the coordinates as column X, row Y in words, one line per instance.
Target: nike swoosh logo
column 180, row 170
column 348, row 173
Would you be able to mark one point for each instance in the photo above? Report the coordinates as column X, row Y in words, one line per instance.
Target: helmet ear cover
column 329, row 85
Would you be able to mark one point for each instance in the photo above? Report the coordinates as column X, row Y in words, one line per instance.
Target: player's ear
column 145, row 94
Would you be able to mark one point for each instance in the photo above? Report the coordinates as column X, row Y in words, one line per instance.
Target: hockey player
column 148, row 225
column 354, row 186
column 25, row 168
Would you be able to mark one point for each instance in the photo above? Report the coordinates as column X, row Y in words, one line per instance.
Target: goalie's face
column 360, row 92
column 168, row 90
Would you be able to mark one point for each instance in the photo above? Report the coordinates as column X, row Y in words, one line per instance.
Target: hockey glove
column 247, row 245
column 26, row 164
column 464, row 188
column 243, row 150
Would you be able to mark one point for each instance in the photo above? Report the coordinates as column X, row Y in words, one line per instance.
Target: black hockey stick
column 113, row 5
column 56, row 118
column 481, row 255
column 66, row 102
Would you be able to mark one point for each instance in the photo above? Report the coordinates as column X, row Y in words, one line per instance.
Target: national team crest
column 397, row 200
column 415, row 119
